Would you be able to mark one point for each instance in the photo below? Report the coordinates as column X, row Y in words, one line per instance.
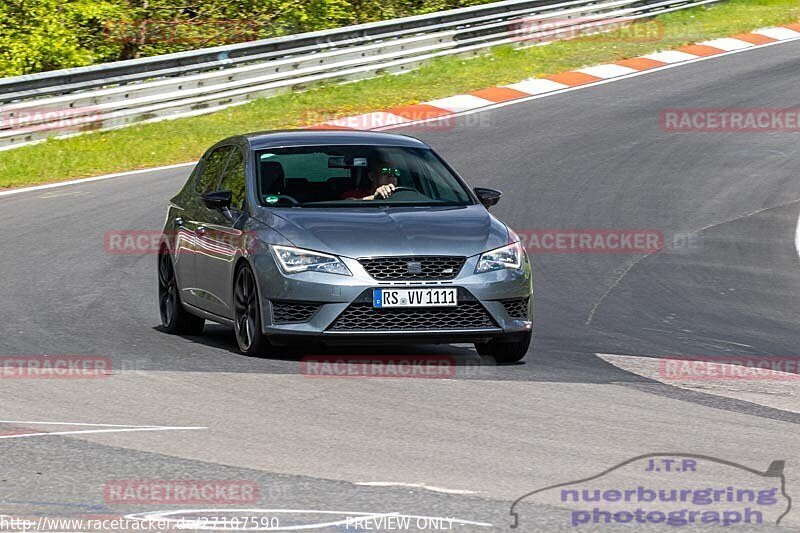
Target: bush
column 39, row 35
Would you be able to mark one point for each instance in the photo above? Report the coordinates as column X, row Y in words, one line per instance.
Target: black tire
column 506, row 352
column 247, row 314
column 174, row 318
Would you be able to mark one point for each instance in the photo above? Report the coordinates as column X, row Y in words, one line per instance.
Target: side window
column 212, row 169
column 233, row 180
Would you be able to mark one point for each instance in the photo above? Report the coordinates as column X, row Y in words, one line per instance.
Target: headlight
column 294, row 260
column 509, row 256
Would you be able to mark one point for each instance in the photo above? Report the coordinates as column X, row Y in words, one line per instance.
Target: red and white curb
column 781, row 392
column 484, row 98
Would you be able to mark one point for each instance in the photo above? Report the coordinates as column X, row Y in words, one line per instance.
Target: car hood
column 376, row 231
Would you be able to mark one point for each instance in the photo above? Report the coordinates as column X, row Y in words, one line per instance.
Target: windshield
column 356, row 176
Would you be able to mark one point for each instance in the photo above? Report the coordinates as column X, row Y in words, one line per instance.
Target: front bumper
column 335, row 294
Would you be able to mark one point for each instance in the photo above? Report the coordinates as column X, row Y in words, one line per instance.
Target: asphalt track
column 590, row 159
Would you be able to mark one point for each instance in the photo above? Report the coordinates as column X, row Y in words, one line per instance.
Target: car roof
column 269, row 139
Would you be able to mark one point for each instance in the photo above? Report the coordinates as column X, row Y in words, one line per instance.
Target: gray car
column 341, row 237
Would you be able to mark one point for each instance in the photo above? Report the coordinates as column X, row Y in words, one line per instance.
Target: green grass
column 183, row 140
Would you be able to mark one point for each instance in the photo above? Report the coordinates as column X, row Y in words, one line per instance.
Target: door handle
column 201, row 230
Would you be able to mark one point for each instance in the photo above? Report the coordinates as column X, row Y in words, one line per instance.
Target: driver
column 382, row 183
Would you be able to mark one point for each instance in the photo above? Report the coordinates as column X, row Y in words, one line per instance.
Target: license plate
column 382, row 298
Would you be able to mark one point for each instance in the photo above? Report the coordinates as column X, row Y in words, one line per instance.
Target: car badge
column 414, row 267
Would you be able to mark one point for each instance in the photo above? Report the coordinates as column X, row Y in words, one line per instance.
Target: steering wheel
column 399, row 190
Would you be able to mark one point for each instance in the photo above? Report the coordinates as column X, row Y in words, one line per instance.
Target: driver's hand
column 384, row 191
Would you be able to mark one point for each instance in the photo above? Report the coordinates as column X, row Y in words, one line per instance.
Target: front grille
column 362, row 316
column 293, row 312
column 412, row 267
column 517, row 307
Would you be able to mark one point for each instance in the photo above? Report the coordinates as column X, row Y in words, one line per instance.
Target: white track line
column 113, row 428
column 413, row 486
column 350, row 518
column 28, row 422
column 797, row 238
column 95, row 178
column 88, row 431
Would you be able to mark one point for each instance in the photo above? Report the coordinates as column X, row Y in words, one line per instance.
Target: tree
column 38, row 35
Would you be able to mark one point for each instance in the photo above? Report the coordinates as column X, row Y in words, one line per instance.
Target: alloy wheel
column 246, row 309
column 167, row 289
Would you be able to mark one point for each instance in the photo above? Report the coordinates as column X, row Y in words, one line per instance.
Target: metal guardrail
column 113, row 95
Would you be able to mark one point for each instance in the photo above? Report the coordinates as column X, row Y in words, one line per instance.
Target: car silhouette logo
column 414, row 267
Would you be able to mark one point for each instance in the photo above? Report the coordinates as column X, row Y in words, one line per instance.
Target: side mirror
column 488, row 197
column 218, row 199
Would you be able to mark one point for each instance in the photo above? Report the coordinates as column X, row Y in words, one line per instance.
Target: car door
column 181, row 238
column 219, row 236
column 191, row 227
